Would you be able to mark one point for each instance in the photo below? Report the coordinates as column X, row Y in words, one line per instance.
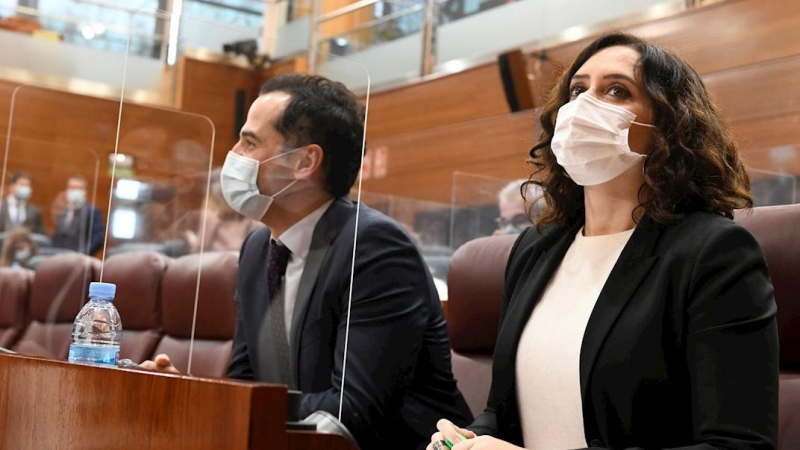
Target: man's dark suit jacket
column 398, row 379
column 33, row 218
column 681, row 349
column 85, row 233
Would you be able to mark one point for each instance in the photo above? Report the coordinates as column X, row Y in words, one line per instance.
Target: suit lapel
column 631, row 268
column 530, row 291
column 328, row 227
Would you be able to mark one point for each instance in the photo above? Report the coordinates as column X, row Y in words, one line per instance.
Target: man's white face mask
column 590, row 140
column 23, row 193
column 239, row 185
column 76, row 197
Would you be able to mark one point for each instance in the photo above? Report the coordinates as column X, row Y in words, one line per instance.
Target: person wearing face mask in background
column 225, row 228
column 79, row 226
column 17, row 210
column 297, row 158
column 18, row 248
column 517, row 212
column 645, row 317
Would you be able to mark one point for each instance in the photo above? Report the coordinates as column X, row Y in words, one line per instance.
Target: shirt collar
column 12, row 200
column 298, row 237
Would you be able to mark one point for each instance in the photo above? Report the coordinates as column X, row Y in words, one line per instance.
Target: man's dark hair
column 325, row 113
column 80, row 178
column 20, row 174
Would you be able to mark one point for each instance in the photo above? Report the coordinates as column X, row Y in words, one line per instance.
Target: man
column 79, row 226
column 17, row 211
column 514, row 208
column 298, row 156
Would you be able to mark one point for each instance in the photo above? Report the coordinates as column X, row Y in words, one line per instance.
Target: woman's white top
column 548, row 356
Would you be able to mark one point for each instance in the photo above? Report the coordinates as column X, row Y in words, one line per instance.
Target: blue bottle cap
column 102, row 290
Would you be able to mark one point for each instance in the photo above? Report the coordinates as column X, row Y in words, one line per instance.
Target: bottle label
column 94, row 355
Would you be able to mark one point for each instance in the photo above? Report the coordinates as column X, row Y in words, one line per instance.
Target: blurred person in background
column 18, row 248
column 517, row 212
column 225, row 228
column 79, row 226
column 17, row 210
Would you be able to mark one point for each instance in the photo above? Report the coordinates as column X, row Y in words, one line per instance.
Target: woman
column 18, row 248
column 225, row 228
column 645, row 317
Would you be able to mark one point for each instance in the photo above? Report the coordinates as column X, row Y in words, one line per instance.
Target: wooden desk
column 54, row 404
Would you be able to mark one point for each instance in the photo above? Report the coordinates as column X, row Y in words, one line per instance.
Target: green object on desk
column 450, row 444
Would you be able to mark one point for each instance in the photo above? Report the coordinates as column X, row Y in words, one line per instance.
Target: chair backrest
column 59, row 290
column 789, row 413
column 216, row 311
column 138, row 276
column 777, row 230
column 475, row 288
column 15, row 286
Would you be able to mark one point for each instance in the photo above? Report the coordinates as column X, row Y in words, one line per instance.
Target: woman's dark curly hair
column 694, row 164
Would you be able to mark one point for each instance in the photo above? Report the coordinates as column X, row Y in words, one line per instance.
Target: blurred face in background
column 76, row 191
column 22, row 188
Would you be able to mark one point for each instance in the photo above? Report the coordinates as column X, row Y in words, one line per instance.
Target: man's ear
column 310, row 164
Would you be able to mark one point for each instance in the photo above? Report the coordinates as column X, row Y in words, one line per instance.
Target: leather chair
column 475, row 282
column 475, row 287
column 138, row 278
column 789, row 413
column 59, row 290
column 776, row 229
column 216, row 312
column 15, row 286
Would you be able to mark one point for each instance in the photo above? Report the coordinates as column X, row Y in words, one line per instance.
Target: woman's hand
column 485, row 443
column 472, row 442
column 449, row 431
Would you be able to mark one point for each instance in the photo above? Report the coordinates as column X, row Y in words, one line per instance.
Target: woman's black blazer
column 681, row 349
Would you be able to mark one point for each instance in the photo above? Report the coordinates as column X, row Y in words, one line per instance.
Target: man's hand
column 160, row 363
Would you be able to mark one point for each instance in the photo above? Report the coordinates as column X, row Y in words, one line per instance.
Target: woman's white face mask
column 590, row 140
column 239, row 185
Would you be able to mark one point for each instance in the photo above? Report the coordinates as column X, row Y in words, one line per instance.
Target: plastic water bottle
column 97, row 331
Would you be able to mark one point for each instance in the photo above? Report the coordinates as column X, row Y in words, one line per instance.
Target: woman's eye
column 575, row 91
column 618, row 91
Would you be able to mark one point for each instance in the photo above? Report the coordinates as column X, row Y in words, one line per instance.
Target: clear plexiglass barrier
column 428, row 225
column 770, row 187
column 485, row 206
column 130, row 194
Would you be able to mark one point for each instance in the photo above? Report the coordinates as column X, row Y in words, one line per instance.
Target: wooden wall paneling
column 771, row 143
column 421, row 164
column 757, row 91
column 298, row 64
column 210, row 88
column 171, row 147
column 469, row 95
column 720, row 36
column 6, row 91
column 713, row 38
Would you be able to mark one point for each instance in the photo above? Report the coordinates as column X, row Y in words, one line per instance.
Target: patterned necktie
column 277, row 259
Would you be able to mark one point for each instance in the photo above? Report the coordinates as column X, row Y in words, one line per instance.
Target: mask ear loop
column 643, row 124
